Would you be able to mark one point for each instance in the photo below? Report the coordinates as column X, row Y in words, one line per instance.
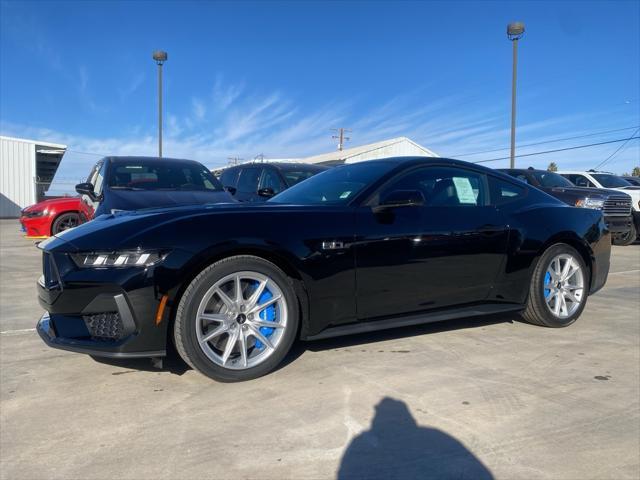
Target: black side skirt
column 384, row 324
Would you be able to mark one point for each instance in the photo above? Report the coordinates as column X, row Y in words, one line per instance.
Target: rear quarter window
column 503, row 191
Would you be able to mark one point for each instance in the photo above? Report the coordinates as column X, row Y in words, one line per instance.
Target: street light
column 515, row 31
column 160, row 57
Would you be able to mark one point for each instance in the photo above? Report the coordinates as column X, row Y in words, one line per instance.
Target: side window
column 248, row 182
column 93, row 172
column 441, row 186
column 522, row 178
column 271, row 179
column 96, row 177
column 504, row 192
column 99, row 179
column 579, row 180
column 229, row 177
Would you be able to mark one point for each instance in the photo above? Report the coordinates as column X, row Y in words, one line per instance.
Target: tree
column 552, row 167
column 636, row 172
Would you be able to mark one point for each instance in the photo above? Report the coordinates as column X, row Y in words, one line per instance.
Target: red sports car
column 52, row 216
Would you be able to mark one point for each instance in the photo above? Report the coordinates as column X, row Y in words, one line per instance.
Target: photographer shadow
column 395, row 447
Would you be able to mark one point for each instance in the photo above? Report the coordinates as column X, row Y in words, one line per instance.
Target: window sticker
column 464, row 191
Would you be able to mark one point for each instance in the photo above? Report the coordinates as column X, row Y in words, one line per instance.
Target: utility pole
column 515, row 31
column 340, row 137
column 160, row 57
column 234, row 160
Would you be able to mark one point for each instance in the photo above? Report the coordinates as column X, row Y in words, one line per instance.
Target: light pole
column 515, row 30
column 160, row 57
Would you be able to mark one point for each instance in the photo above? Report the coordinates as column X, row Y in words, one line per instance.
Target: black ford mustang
column 360, row 247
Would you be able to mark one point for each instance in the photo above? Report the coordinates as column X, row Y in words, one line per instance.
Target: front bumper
column 48, row 334
column 36, row 227
column 618, row 225
column 114, row 317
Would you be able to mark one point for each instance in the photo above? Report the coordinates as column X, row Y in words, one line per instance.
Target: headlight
column 596, row 203
column 36, row 213
column 137, row 258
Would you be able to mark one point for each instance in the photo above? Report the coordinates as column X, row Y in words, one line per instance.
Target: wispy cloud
column 134, row 84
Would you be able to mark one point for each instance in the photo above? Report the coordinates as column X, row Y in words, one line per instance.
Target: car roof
column 280, row 165
column 148, row 160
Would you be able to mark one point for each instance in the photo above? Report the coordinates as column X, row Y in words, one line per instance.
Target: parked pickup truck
column 615, row 205
column 595, row 179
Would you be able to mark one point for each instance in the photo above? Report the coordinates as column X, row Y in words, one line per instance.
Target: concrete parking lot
column 481, row 398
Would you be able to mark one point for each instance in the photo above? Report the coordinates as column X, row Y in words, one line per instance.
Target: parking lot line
column 17, row 332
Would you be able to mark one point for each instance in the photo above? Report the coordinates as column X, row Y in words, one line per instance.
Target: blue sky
column 245, row 78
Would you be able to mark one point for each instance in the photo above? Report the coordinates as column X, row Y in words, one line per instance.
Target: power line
column 594, row 134
column 617, row 150
column 558, row 150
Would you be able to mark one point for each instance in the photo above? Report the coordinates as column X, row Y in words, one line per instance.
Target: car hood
column 143, row 199
column 52, row 202
column 129, row 226
column 582, row 191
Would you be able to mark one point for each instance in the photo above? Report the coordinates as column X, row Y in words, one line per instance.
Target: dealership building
column 395, row 147
column 27, row 168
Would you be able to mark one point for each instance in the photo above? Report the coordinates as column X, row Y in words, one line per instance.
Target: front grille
column 619, row 205
column 104, row 326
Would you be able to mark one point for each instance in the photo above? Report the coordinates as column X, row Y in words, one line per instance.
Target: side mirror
column 231, row 190
column 402, row 198
column 266, row 192
column 86, row 189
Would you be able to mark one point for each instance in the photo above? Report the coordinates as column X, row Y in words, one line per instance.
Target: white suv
column 594, row 179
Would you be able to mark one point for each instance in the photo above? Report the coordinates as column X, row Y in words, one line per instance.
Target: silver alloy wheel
column 234, row 330
column 563, row 285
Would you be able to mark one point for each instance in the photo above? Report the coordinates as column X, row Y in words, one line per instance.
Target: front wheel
column 65, row 222
column 237, row 319
column 559, row 288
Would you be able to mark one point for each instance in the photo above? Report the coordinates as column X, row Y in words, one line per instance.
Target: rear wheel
column 626, row 238
column 559, row 288
column 237, row 319
column 65, row 222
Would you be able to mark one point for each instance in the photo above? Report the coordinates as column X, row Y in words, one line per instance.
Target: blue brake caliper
column 547, row 281
column 268, row 314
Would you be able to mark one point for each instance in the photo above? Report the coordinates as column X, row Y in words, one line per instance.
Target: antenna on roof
column 341, row 138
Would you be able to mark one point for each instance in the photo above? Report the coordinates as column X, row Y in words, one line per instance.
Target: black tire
column 64, row 222
column 537, row 312
column 185, row 334
column 626, row 239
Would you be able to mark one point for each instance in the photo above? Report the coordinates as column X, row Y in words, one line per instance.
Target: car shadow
column 410, row 331
column 173, row 363
column 395, row 446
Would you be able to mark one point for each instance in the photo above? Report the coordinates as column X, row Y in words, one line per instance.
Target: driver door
column 444, row 252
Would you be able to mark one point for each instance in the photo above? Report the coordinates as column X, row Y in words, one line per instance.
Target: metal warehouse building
column 27, row 168
column 395, row 147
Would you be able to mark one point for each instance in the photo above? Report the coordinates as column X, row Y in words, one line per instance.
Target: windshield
column 550, row 179
column 165, row 175
column 610, row 181
column 336, row 186
column 300, row 173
